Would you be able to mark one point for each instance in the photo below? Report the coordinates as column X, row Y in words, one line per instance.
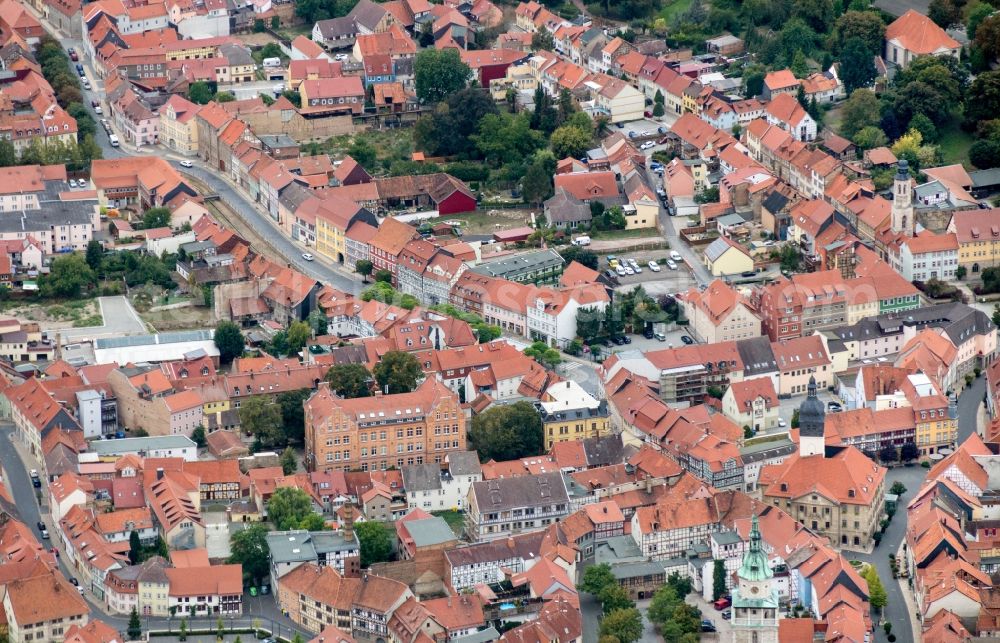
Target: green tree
column 625, row 625
column 866, row 26
column 375, row 541
column 182, row 632
column 350, row 380
column 877, row 597
column 897, row 488
column 615, row 597
column 224, row 97
column 596, row 578
column 506, row 432
column 299, row 334
column 857, row 65
column 980, row 11
column 259, row 26
column 983, row 101
column 288, row 507
column 198, row 436
column 134, row 548
column 536, row 186
column 924, row 125
column 799, row 66
column 588, row 324
column 229, row 340
column 438, row 73
column 362, row 151
column 542, row 40
column 547, row 357
column 8, row 154
column 156, row 218
column 398, row 372
column 985, row 154
column 945, row 12
column 289, row 463
column 661, row 608
column 248, row 547
column 262, row 419
column 134, row 626
column 569, row 141
column 364, row 268
column 869, row 137
column 199, row 92
column 275, row 22
column 753, row 83
column 505, row 139
column 718, row 579
column 95, row 255
column 220, row 628
column 68, row 276
column 658, row 110
column 293, row 414
column 383, row 276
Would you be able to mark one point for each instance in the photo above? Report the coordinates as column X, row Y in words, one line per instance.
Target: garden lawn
column 955, row 143
column 674, row 9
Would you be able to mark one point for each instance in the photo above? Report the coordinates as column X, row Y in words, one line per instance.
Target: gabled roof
column 919, row 35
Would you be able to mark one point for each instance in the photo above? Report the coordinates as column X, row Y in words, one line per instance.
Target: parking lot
column 654, row 283
column 787, row 406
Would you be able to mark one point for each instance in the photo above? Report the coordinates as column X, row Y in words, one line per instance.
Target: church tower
column 902, row 201
column 812, row 420
column 755, row 601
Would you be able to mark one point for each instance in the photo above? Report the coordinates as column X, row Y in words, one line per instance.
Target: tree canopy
column 248, row 547
column 229, row 340
column 398, row 372
column 262, row 419
column 506, row 432
column 375, row 542
column 438, row 73
column 291, row 508
column 350, row 380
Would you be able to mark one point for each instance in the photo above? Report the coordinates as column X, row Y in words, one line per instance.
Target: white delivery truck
column 114, row 140
column 582, row 240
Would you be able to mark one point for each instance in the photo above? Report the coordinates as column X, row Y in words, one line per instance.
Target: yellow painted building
column 330, row 239
column 570, row 413
column 725, row 257
column 936, row 433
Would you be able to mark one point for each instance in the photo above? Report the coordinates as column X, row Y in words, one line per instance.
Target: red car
column 721, row 604
column 73, row 56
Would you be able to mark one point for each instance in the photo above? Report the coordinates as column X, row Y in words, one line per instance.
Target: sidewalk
column 908, row 598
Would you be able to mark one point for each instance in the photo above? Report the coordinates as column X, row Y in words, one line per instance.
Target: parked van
column 582, row 240
column 272, row 62
column 114, row 140
column 676, row 256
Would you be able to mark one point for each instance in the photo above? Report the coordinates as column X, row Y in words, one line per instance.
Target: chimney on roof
column 348, row 522
column 159, row 473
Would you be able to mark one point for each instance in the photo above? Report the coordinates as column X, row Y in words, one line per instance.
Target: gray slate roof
column 464, row 463
column 523, row 491
column 430, row 531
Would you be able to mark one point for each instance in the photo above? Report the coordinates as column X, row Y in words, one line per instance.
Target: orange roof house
column 914, row 34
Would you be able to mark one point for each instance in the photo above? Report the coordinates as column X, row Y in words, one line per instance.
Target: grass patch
column 87, row 322
column 455, row 520
column 674, row 9
column 636, row 233
column 955, row 143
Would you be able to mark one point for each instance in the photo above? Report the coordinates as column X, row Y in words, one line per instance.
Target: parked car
column 647, row 145
column 671, row 264
column 72, row 184
column 782, row 423
column 686, row 339
column 655, row 267
column 707, row 626
column 307, row 256
column 36, row 483
column 834, row 407
column 33, row 473
column 620, row 269
column 721, row 604
column 648, row 333
column 41, row 525
column 728, row 614
column 186, row 163
column 660, row 337
column 45, row 534
column 618, row 341
column 75, row 582
column 676, row 256
column 610, row 273
column 628, row 270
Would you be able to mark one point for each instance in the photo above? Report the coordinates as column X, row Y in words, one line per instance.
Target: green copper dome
column 755, row 567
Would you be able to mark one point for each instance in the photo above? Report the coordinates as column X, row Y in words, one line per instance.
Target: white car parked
column 671, row 264
column 655, row 267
